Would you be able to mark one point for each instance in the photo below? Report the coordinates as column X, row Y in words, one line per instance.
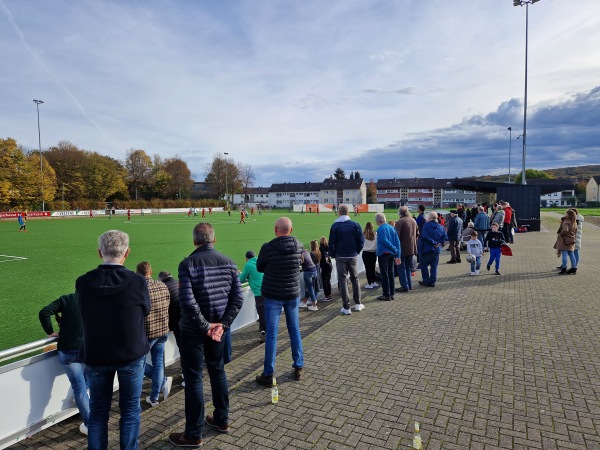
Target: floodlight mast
column 526, row 3
column 37, row 105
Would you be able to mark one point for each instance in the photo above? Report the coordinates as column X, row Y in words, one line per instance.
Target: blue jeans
column 405, row 272
column 195, row 349
column 495, row 254
column 75, row 371
column 309, row 285
column 476, row 265
column 272, row 314
column 156, row 370
column 346, row 266
column 101, row 379
column 571, row 256
column 429, row 264
column 386, row 267
column 576, row 253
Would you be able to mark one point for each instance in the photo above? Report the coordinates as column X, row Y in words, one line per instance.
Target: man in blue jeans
column 67, row 315
column 433, row 238
column 157, row 330
column 113, row 301
column 279, row 260
column 210, row 298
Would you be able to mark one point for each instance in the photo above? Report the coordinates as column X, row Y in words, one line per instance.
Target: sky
column 296, row 89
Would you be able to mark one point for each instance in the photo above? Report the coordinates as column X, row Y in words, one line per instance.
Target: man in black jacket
column 279, row 259
column 210, row 297
column 113, row 301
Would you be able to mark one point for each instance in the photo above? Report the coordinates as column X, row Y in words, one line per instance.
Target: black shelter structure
column 524, row 199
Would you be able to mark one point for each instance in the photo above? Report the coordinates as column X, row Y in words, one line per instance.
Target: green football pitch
column 43, row 263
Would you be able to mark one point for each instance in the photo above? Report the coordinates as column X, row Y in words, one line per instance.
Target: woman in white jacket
column 580, row 220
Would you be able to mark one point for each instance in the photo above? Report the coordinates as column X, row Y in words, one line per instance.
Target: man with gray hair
column 210, row 297
column 113, row 302
column 346, row 241
column 433, row 238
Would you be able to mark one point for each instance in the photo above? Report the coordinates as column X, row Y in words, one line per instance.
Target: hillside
column 579, row 172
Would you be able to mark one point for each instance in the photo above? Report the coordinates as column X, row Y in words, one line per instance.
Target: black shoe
column 298, row 373
column 401, row 289
column 572, row 271
column 563, row 271
column 498, row 272
column 430, row 285
column 385, row 298
column 262, row 337
column 265, row 380
column 179, row 440
column 423, row 283
column 458, row 261
column 210, row 421
column 452, row 261
column 488, row 267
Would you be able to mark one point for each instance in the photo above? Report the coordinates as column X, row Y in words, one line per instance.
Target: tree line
column 67, row 177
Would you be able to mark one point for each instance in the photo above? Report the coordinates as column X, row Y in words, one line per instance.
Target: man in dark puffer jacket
column 210, row 297
column 279, row 260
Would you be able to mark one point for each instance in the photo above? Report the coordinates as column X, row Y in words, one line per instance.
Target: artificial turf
column 55, row 251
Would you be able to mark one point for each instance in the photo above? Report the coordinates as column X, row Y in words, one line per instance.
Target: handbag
column 569, row 240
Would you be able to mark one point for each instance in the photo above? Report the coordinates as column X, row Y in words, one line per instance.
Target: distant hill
column 579, row 172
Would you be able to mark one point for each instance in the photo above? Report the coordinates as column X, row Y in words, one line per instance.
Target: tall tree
column 179, row 178
column 12, row 168
column 69, row 162
column 371, row 192
column 105, row 177
column 139, row 168
column 339, row 174
column 223, row 177
column 247, row 177
column 352, row 175
column 357, row 175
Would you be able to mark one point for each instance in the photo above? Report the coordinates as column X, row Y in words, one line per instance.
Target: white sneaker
column 313, row 308
column 359, row 307
column 374, row 285
column 345, row 311
column 83, row 429
column 368, row 286
column 166, row 389
column 473, row 274
column 150, row 402
column 477, row 272
column 303, row 305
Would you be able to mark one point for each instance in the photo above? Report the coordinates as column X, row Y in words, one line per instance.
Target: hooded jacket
column 253, row 276
column 279, row 260
column 113, row 301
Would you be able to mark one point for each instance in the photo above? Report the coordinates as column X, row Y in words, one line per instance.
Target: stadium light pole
column 37, row 105
column 526, row 3
column 509, row 150
column 226, row 193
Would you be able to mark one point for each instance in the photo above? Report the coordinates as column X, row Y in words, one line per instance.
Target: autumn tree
column 139, row 169
column 68, row 162
column 371, row 192
column 246, row 177
column 105, row 178
column 179, row 181
column 223, row 177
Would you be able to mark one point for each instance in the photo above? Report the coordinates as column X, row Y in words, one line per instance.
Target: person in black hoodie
column 113, row 301
column 279, row 260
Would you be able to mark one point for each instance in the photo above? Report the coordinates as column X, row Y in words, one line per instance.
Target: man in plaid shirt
column 157, row 328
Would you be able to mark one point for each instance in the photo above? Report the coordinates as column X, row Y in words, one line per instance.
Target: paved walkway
column 485, row 362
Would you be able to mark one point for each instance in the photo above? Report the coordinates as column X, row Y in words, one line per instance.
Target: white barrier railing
column 39, row 394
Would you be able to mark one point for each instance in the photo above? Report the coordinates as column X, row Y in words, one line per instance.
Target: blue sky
column 389, row 88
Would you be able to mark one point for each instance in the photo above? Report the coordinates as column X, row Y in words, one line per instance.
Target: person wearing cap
column 255, row 279
column 455, row 226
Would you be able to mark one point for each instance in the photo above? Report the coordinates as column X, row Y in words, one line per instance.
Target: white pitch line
column 12, row 258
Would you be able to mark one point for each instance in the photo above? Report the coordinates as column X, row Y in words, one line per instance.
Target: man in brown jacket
column 157, row 328
column 406, row 227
